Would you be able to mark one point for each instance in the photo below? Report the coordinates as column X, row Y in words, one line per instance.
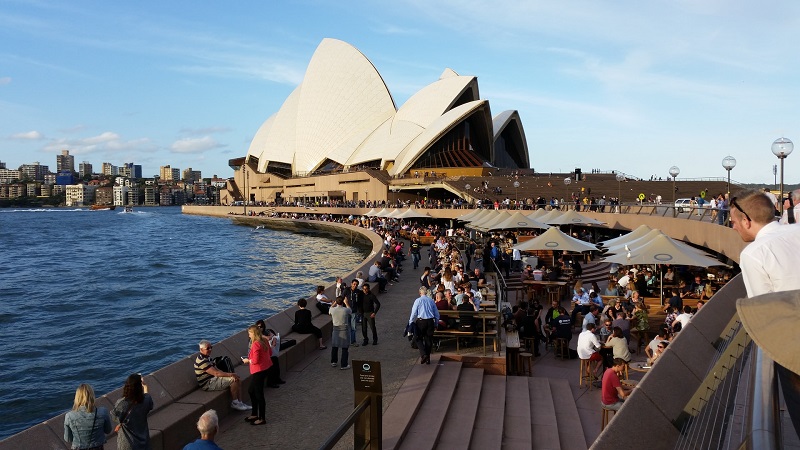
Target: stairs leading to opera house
column 446, row 405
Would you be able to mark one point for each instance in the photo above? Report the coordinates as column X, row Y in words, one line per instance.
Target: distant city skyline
column 628, row 86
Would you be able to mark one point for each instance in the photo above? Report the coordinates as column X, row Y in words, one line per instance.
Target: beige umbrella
column 572, row 217
column 383, row 213
column 663, row 249
column 644, row 240
column 549, row 216
column 640, row 231
column 490, row 221
column 482, row 214
column 370, row 213
column 537, row 214
column 555, row 239
column 395, row 212
column 519, row 221
column 412, row 213
column 468, row 216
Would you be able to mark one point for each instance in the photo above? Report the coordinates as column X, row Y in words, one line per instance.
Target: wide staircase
column 446, row 405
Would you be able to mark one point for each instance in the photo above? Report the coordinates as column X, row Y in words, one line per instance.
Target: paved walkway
column 306, row 410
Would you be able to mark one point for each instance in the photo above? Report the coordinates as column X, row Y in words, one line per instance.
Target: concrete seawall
column 49, row 434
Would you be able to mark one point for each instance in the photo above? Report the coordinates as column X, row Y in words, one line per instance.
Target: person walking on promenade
column 131, row 413
column 259, row 359
column 302, row 322
column 208, row 426
column 370, row 307
column 210, row 378
column 414, row 251
column 769, row 264
column 340, row 317
column 86, row 426
column 424, row 318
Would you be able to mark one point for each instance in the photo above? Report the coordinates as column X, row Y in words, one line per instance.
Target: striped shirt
column 201, row 364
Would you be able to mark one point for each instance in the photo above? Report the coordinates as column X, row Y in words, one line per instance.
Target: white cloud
column 107, row 142
column 5, row 80
column 27, row 136
column 204, row 130
column 195, row 145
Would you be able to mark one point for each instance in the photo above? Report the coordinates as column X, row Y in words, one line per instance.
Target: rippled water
column 92, row 296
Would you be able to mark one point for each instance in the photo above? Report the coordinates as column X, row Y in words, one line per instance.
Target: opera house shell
column 342, row 118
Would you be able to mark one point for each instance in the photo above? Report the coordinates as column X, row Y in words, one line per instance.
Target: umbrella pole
column 662, row 285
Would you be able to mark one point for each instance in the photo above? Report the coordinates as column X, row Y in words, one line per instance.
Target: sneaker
column 333, row 364
column 365, row 342
column 354, row 344
column 344, row 368
column 240, row 406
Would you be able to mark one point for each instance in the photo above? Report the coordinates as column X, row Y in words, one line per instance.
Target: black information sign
column 367, row 377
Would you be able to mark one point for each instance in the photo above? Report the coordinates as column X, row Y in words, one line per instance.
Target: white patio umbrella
column 467, row 217
column 538, row 213
column 382, row 213
column 490, row 219
column 481, row 214
column 370, row 213
column 555, row 239
column 394, row 213
column 549, row 216
column 413, row 213
column 572, row 217
column 644, row 240
column 638, row 232
column 662, row 249
column 519, row 221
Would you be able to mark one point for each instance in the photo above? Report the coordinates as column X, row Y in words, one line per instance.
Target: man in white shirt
column 769, row 264
column 684, row 317
column 587, row 347
column 624, row 280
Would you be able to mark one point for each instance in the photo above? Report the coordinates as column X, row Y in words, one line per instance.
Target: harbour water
column 92, row 296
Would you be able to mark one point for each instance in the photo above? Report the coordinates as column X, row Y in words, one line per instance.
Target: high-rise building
column 85, row 168
column 80, row 194
column 65, row 161
column 192, row 176
column 131, row 170
column 2, row 165
column 33, row 171
column 8, row 175
column 109, row 169
column 167, row 173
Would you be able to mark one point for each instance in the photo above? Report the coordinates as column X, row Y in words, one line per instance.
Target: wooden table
column 552, row 287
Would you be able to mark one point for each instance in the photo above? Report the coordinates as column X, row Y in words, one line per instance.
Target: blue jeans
column 353, row 329
column 415, row 257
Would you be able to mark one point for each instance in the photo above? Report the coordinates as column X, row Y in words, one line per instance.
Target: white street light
column 567, row 182
column 620, row 179
column 782, row 148
column 674, row 171
column 729, row 162
column 516, row 191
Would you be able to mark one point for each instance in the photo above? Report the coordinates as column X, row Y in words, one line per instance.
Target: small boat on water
column 102, row 207
column 128, row 209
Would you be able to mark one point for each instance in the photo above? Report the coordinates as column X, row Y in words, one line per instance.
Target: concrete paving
column 317, row 398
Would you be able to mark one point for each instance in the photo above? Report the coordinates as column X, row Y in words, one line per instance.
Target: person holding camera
column 131, row 413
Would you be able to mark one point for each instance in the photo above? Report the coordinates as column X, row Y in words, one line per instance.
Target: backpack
column 223, row 363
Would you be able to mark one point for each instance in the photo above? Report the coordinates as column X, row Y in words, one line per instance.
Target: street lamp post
column 427, row 189
column 674, row 171
column 467, row 187
column 729, row 162
column 516, row 191
column 567, row 182
column 620, row 179
column 394, row 191
column 782, row 148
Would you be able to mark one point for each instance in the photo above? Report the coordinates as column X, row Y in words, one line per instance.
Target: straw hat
column 771, row 320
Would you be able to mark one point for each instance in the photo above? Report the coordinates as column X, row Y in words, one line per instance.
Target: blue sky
column 627, row 85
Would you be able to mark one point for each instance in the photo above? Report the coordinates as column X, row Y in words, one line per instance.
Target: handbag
column 127, row 414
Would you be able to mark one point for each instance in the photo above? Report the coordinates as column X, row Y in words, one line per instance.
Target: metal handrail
column 502, row 285
column 764, row 421
column 348, row 422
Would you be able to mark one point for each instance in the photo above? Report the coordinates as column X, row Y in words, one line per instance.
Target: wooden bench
column 488, row 319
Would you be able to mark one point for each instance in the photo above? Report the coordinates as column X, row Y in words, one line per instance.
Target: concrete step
column 423, row 432
column 544, row 428
column 463, row 411
column 398, row 416
column 570, row 429
column 517, row 425
column 487, row 432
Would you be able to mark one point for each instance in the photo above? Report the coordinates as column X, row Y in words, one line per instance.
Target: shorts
column 218, row 384
column 596, row 356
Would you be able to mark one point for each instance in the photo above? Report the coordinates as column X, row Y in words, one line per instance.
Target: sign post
column 367, row 383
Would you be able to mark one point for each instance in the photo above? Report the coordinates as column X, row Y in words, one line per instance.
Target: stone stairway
column 445, row 405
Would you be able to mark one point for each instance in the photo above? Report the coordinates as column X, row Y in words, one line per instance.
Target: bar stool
column 586, row 373
column 553, row 293
column 521, row 292
column 605, row 417
column 528, row 342
column 526, row 364
column 561, row 348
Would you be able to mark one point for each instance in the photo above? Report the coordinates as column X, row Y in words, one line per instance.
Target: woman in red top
column 259, row 359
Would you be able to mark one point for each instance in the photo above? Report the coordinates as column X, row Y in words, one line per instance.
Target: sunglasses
column 737, row 206
column 660, row 346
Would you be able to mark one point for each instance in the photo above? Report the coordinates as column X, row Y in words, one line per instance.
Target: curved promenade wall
column 163, row 383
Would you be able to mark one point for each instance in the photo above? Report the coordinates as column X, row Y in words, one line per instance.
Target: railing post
column 764, row 422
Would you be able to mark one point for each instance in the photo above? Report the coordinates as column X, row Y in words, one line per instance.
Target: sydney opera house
column 340, row 136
